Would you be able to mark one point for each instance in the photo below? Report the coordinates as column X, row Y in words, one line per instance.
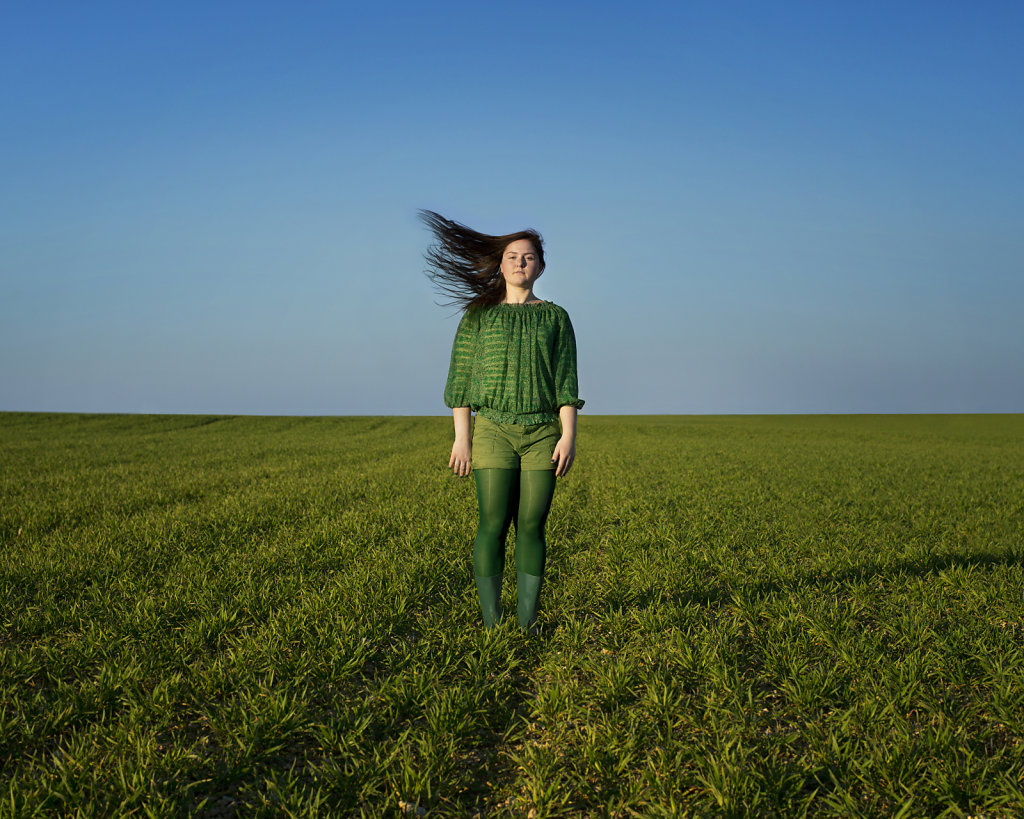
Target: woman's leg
column 536, row 489
column 497, row 491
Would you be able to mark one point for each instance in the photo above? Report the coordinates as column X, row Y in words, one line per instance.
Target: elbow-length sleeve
column 566, row 381
column 460, row 370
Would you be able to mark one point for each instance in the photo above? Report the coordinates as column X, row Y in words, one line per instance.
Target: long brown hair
column 465, row 264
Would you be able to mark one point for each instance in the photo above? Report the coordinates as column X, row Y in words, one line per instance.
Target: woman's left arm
column 565, row 449
column 566, row 395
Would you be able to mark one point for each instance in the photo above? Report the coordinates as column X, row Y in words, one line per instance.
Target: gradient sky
column 748, row 207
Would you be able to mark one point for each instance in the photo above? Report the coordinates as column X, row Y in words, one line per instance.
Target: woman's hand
column 461, row 462
column 564, row 455
column 565, row 449
column 462, row 458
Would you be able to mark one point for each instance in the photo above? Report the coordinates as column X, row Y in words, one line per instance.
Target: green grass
column 793, row 616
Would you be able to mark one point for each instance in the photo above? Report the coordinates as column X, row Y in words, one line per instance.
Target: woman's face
column 520, row 265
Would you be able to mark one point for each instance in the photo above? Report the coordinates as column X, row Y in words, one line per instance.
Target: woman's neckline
column 521, row 304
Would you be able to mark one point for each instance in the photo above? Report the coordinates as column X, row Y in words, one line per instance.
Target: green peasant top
column 514, row 363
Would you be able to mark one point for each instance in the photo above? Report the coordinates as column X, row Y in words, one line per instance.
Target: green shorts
column 514, row 446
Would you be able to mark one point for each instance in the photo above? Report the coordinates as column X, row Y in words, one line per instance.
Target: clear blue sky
column 749, row 207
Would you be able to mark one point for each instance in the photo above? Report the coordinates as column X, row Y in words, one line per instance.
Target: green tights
column 507, row 496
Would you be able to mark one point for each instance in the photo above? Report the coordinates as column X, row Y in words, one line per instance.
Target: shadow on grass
column 719, row 593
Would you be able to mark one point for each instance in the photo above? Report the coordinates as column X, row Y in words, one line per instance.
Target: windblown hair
column 466, row 265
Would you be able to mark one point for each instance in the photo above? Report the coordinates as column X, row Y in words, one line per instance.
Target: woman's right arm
column 457, row 391
column 462, row 450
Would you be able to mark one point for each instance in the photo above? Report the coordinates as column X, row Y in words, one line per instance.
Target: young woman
column 514, row 364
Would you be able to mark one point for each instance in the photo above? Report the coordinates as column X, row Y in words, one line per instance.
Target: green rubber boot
column 489, row 589
column 527, row 595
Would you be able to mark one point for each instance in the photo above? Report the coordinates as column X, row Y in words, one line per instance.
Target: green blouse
column 514, row 363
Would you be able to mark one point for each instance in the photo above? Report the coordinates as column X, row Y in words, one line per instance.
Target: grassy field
column 265, row 616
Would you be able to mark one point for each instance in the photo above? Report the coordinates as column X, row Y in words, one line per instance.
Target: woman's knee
column 531, row 531
column 489, row 533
